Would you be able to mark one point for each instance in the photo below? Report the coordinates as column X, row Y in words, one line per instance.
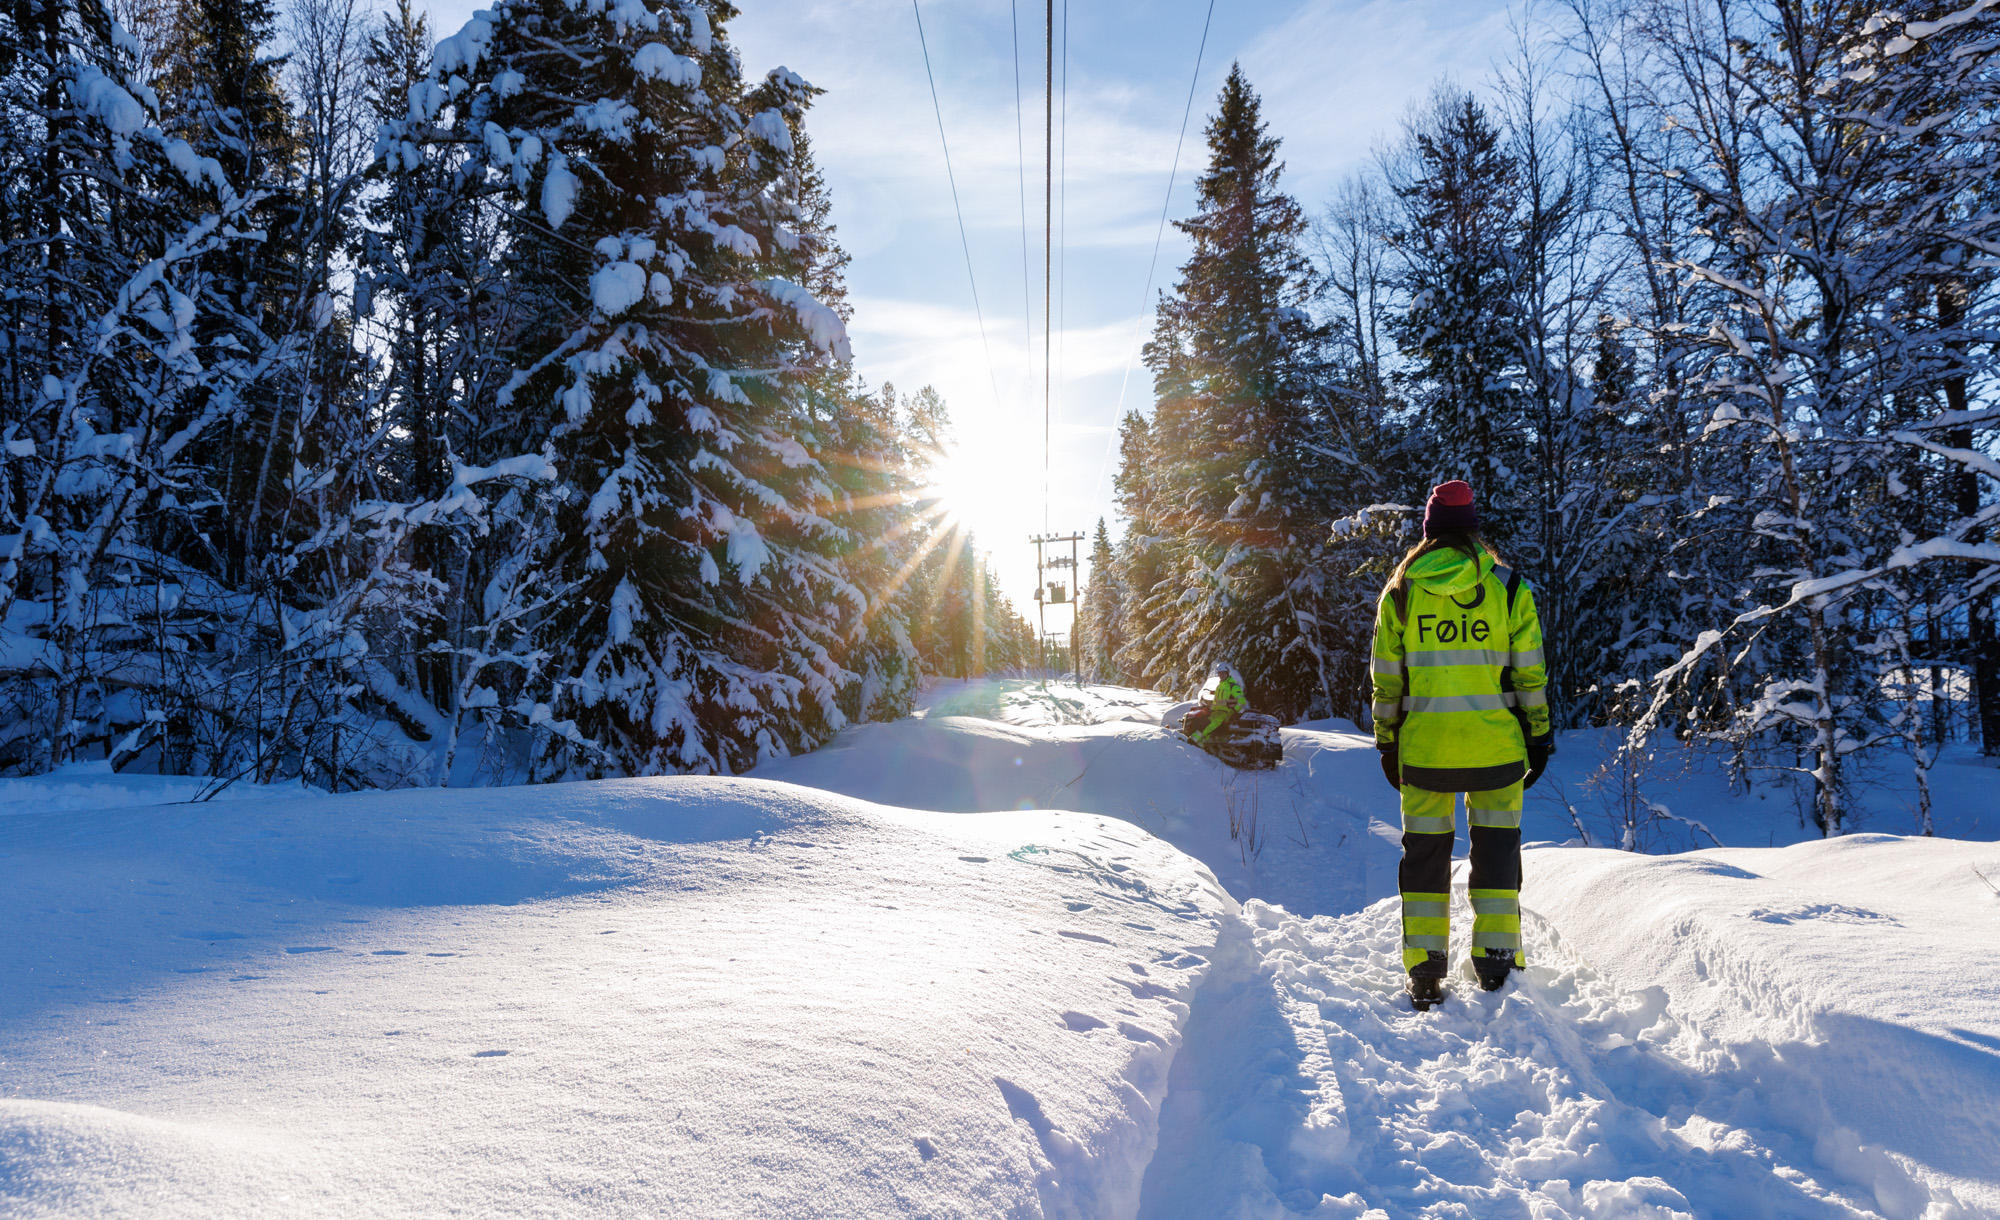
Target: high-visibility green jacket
column 1458, row 673
column 1225, row 698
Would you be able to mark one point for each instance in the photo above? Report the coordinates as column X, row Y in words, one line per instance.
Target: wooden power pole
column 1058, row 593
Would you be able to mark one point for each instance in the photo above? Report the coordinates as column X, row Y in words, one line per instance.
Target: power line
column 964, row 242
column 1062, row 207
column 1159, row 234
column 1049, row 231
column 1021, row 167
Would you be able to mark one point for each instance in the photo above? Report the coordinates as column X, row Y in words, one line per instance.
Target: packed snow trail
column 1306, row 1087
column 1310, row 838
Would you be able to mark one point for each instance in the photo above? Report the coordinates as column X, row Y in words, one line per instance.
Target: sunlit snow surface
column 748, row 998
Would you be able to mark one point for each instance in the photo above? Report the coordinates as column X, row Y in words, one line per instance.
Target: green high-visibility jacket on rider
column 1449, row 645
column 1224, row 701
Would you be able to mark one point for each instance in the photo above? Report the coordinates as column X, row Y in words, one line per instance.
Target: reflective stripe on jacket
column 1456, row 673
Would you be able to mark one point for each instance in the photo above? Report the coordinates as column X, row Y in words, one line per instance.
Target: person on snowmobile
column 1222, row 695
column 1459, row 706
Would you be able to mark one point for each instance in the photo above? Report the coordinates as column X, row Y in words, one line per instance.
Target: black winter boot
column 1493, row 966
column 1427, row 982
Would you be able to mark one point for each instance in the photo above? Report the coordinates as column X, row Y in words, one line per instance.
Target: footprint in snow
column 487, row 1054
column 1819, row 912
column 974, row 859
column 309, row 948
column 1089, row 936
column 1081, row 1022
column 926, row 1147
column 1140, row 1034
column 1078, row 907
column 391, row 953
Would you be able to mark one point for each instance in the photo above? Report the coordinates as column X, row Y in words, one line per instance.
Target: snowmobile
column 1248, row 742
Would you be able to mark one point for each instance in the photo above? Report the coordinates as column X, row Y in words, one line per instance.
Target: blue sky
column 1336, row 77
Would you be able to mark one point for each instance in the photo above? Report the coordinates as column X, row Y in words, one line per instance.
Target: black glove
column 1540, row 750
column 1392, row 767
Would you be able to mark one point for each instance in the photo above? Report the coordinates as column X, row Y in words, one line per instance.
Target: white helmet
column 1223, row 669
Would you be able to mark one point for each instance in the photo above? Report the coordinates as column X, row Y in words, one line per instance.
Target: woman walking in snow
column 1459, row 707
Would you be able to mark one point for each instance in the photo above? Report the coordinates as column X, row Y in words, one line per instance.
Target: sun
column 984, row 490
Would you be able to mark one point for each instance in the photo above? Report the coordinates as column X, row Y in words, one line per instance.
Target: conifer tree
column 1236, row 361
column 1141, row 554
column 1099, row 617
column 1461, row 327
column 653, row 355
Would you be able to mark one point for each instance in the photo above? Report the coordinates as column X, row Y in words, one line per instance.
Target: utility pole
column 1058, row 593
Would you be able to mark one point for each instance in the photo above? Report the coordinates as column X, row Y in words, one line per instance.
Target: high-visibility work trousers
column 1425, row 877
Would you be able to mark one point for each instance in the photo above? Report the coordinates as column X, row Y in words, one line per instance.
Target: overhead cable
column 1152, row 267
column 964, row 242
column 1021, row 178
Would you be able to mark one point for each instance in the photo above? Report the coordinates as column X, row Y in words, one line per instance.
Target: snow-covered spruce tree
column 869, row 474
column 876, row 494
column 1461, row 330
column 1159, row 492
column 1250, row 455
column 1099, row 618
column 633, row 177
column 401, row 303
column 1139, row 552
column 128, row 365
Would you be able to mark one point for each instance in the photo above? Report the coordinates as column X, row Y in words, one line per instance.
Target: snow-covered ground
column 674, row 997
column 1004, row 958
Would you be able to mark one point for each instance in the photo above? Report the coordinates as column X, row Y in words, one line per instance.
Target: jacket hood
column 1448, row 571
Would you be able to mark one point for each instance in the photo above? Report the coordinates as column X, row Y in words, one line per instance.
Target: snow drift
column 668, row 997
column 1845, row 987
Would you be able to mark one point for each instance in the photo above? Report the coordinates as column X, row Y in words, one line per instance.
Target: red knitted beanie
column 1450, row 508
